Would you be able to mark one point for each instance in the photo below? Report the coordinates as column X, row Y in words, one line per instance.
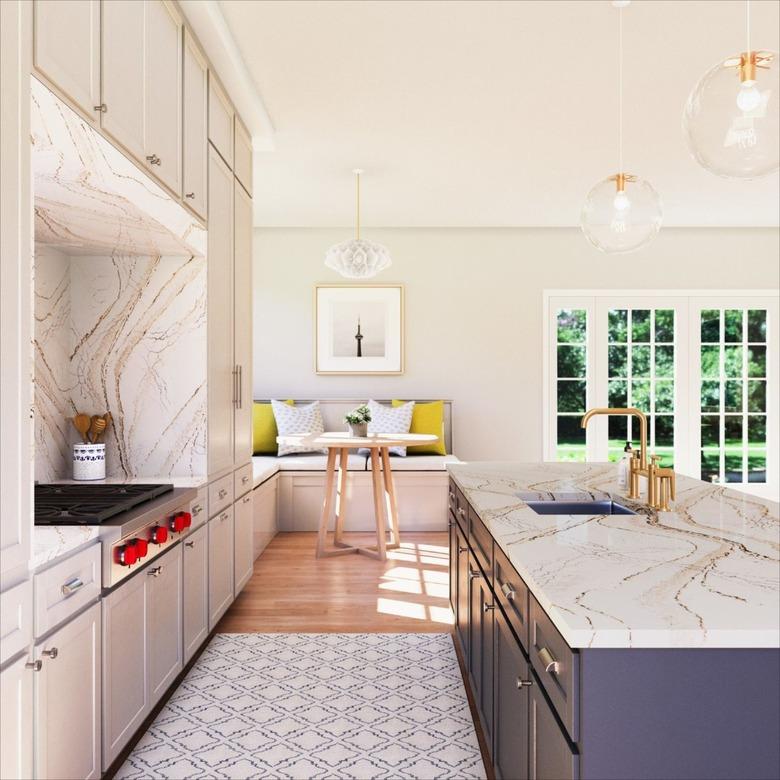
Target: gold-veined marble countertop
column 706, row 574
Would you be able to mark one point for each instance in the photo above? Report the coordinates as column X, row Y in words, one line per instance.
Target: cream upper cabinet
column 196, row 92
column 242, row 318
column 220, row 120
column 242, row 154
column 66, row 50
column 221, row 373
column 162, row 92
column 122, row 70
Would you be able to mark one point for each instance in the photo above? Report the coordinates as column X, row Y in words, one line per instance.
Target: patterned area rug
column 315, row 706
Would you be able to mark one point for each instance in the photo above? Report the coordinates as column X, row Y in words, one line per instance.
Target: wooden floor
column 291, row 590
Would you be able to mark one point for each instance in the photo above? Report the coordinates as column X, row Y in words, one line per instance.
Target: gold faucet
column 661, row 483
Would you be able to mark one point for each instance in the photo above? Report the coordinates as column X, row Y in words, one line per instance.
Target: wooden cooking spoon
column 82, row 422
column 96, row 427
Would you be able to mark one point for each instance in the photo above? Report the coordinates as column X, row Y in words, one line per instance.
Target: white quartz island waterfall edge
column 705, row 575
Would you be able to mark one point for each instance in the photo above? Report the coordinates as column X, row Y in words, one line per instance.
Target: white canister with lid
column 89, row 461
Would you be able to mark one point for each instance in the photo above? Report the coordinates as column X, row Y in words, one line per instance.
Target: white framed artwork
column 359, row 328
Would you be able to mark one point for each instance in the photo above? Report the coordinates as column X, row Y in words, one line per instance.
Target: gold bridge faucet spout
column 629, row 410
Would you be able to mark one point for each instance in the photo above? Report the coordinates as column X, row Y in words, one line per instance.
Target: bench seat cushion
column 263, row 468
column 317, row 463
column 422, row 462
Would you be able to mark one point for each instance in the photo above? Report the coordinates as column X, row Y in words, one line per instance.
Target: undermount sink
column 604, row 507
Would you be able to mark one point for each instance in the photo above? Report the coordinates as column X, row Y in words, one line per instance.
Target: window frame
column 687, row 369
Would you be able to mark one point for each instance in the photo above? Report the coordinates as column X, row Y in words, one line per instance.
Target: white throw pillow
column 390, row 419
column 297, row 420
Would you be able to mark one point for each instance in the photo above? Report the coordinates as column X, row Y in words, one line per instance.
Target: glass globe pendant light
column 731, row 117
column 357, row 258
column 621, row 213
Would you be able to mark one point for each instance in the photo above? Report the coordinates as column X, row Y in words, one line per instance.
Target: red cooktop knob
column 177, row 522
column 187, row 519
column 159, row 534
column 127, row 555
column 141, row 547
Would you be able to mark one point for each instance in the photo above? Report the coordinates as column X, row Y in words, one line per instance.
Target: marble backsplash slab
column 124, row 334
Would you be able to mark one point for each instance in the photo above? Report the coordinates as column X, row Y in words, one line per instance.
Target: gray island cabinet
column 603, row 647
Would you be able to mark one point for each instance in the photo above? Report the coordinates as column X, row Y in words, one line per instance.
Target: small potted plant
column 358, row 420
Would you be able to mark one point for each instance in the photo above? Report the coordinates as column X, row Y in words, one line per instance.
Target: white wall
column 474, row 312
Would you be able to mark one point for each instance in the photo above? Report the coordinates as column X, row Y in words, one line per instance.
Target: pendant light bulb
column 621, row 213
column 748, row 97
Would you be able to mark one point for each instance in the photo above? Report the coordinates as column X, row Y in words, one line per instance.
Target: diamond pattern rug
column 315, row 706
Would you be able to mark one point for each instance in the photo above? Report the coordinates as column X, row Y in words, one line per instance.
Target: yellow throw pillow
column 427, row 418
column 264, row 430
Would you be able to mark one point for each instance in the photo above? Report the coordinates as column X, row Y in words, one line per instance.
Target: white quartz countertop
column 50, row 542
column 706, row 574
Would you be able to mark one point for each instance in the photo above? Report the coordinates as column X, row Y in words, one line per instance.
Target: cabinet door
column 66, row 49
column 16, row 716
column 242, row 317
column 125, row 644
column 221, row 376
column 481, row 610
column 550, row 758
column 122, row 74
column 243, row 542
column 220, row 120
column 67, row 700
column 220, row 565
column 164, row 607
column 242, row 155
column 510, row 694
column 453, row 566
column 162, row 92
column 462, row 624
column 195, row 90
column 195, row 594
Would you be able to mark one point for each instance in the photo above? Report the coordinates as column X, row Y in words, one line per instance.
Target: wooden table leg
column 341, row 498
column 379, row 510
column 327, row 502
column 392, row 505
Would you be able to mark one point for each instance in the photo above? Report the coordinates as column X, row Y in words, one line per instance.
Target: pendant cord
column 747, row 14
column 357, row 204
column 620, row 90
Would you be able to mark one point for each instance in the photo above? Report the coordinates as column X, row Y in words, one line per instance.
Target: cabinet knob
column 550, row 664
column 247, row 499
column 189, row 194
column 52, row 653
column 34, row 665
column 244, row 479
column 523, row 683
column 506, row 589
column 102, row 108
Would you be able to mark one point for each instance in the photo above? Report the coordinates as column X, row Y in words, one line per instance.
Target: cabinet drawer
column 459, row 507
column 453, row 498
column 551, row 757
column 512, row 594
column 65, row 588
column 557, row 666
column 242, row 480
column 481, row 542
column 199, row 507
column 16, row 630
column 220, row 495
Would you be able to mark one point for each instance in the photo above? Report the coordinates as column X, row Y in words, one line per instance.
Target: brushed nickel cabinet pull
column 189, row 544
column 473, row 574
column 71, row 586
column 102, row 108
column 34, row 665
column 487, row 607
column 461, row 511
column 244, row 479
column 523, row 683
column 197, row 509
column 155, row 571
column 223, row 516
column 247, row 499
column 462, row 549
column 53, row 653
column 506, row 589
column 550, row 664
column 452, row 496
column 189, row 194
column 222, row 493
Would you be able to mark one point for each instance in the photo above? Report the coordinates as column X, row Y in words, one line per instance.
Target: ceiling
column 486, row 113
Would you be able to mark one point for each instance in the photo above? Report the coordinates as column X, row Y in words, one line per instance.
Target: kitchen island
column 638, row 645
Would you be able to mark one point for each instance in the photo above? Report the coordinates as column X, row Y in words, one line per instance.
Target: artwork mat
column 325, row 363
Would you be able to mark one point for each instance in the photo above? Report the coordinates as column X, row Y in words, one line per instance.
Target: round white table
column 338, row 445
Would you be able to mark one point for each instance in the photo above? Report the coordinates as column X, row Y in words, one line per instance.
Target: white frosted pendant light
column 358, row 258
column 731, row 119
column 622, row 212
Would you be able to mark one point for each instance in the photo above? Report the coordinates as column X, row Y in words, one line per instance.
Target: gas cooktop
column 89, row 504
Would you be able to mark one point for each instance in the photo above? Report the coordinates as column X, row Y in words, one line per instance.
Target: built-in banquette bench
column 288, row 490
